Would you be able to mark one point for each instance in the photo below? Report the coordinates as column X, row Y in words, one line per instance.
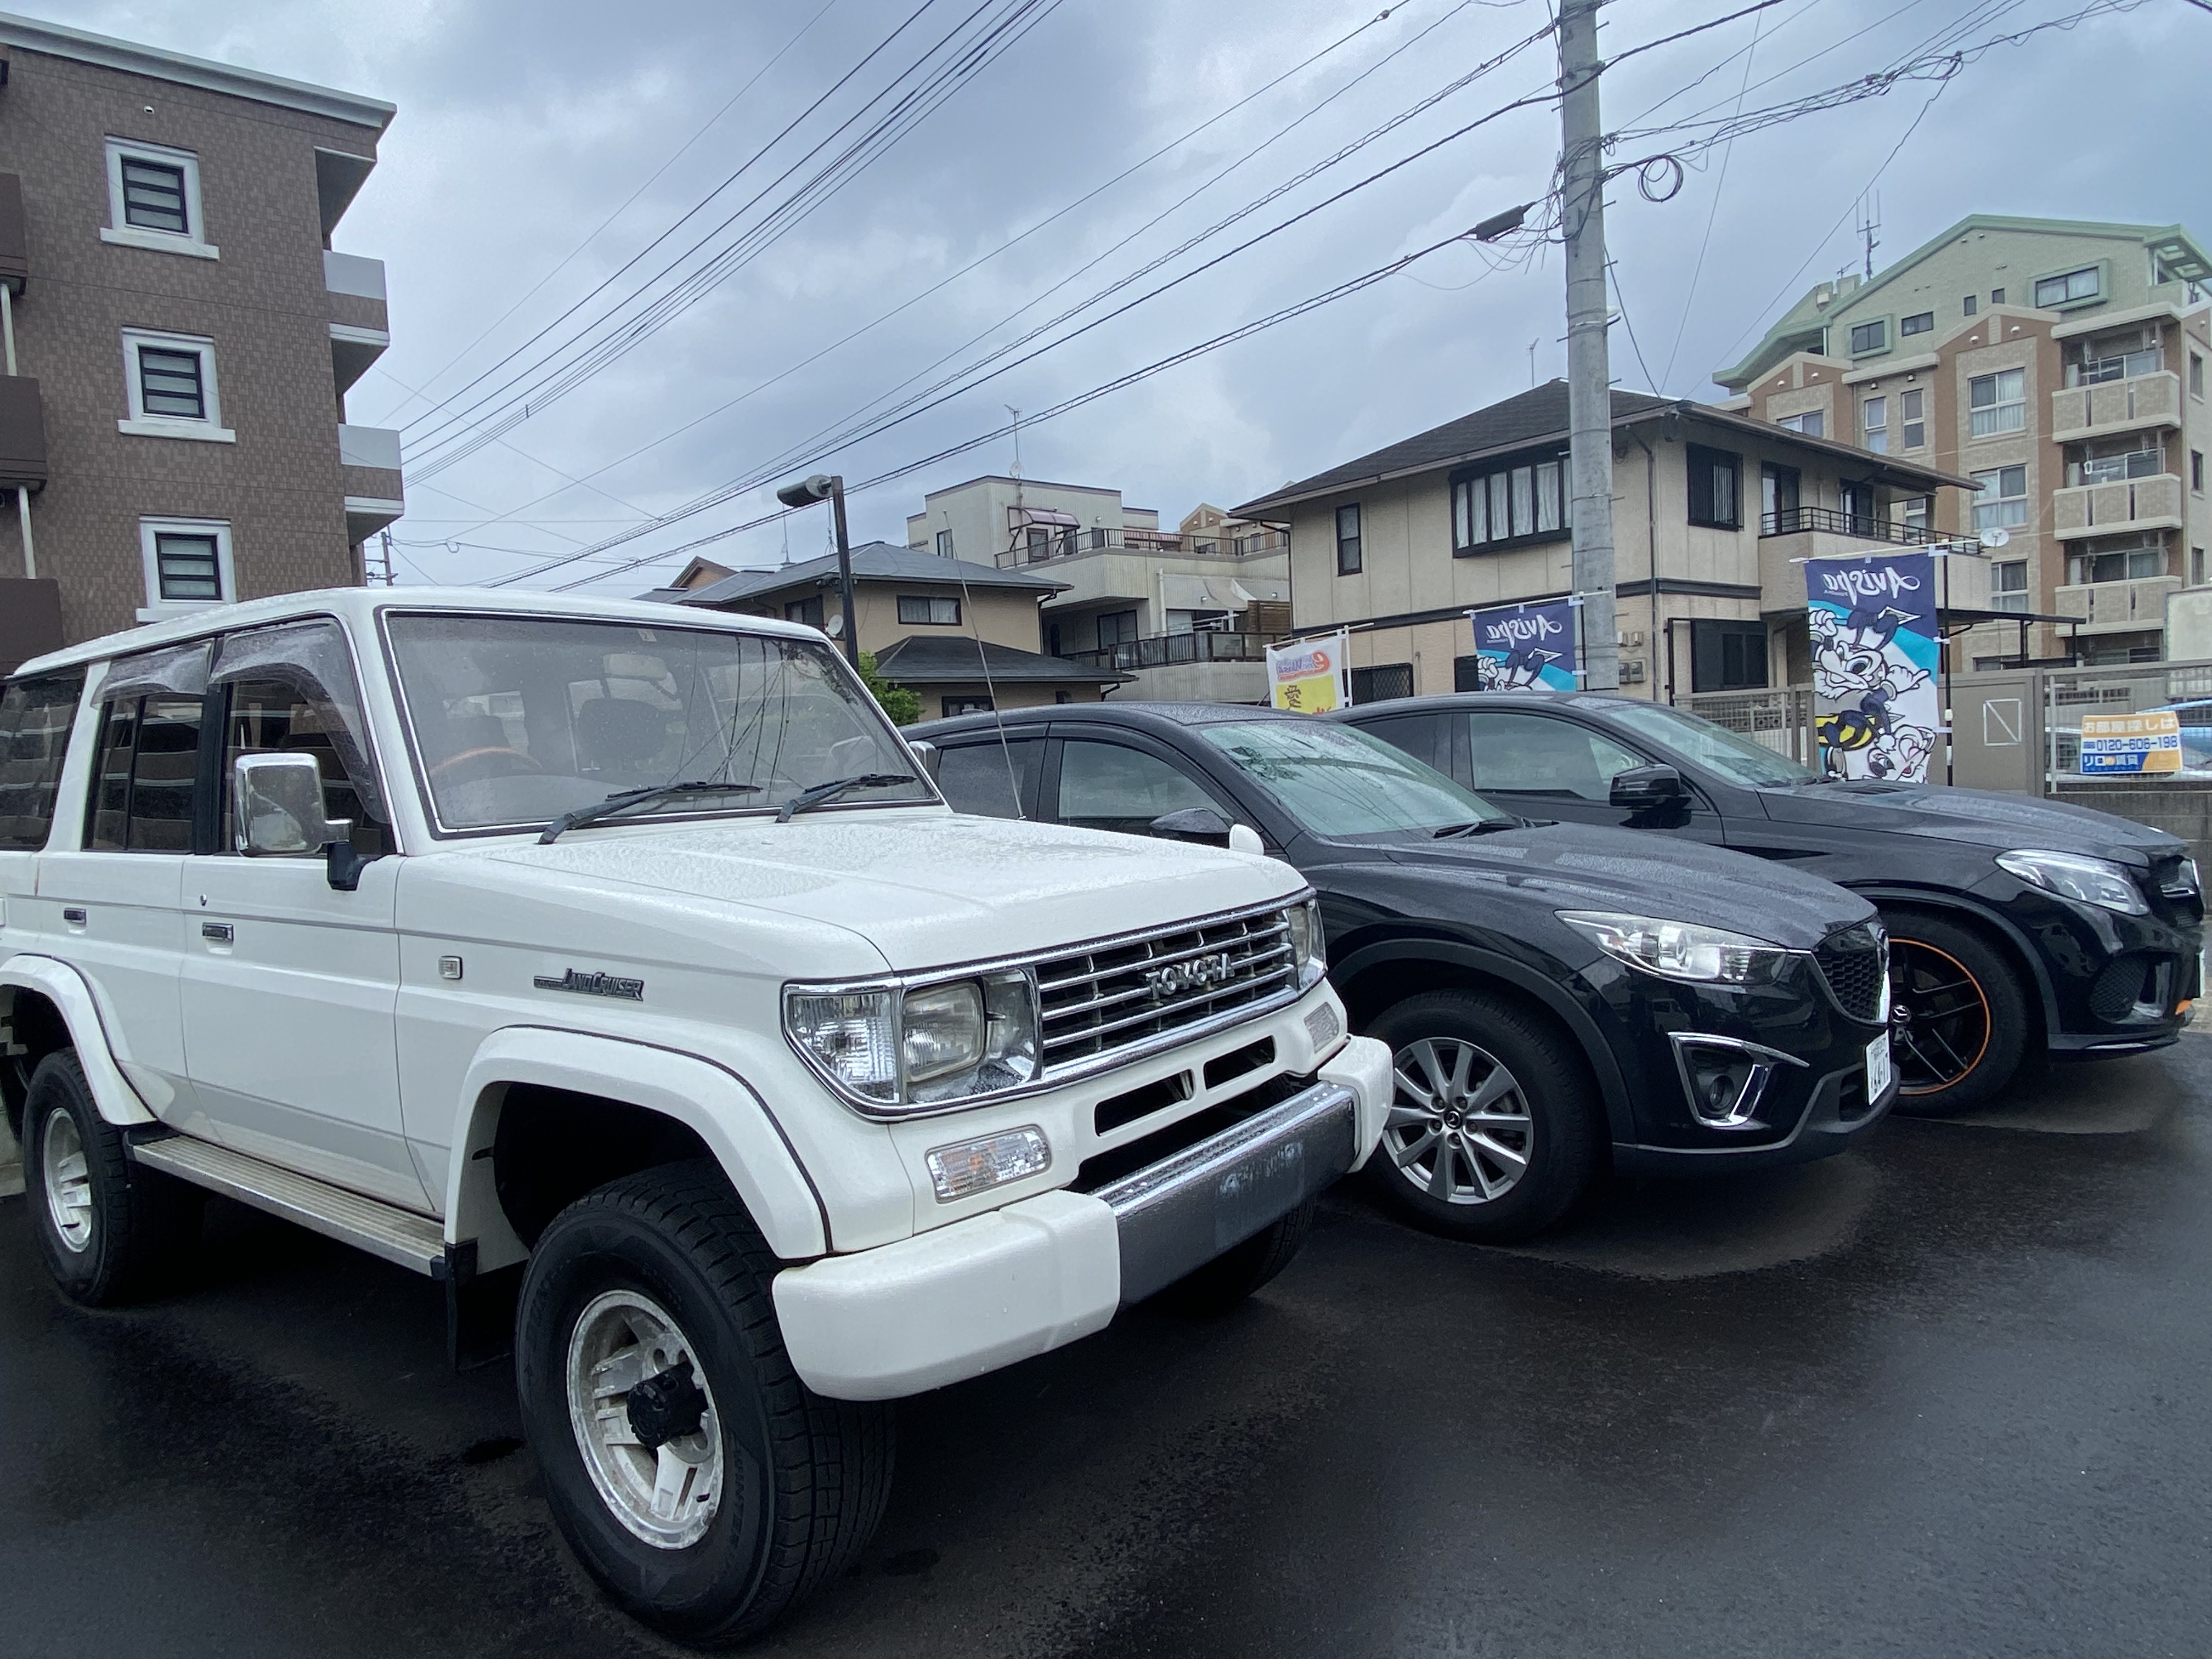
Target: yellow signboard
column 2147, row 743
column 1307, row 676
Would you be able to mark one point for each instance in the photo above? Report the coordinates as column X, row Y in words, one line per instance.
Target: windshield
column 1338, row 780
column 1739, row 759
column 517, row 719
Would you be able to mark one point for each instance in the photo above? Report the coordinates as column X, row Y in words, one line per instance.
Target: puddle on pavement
column 1698, row 1229
column 2084, row 1097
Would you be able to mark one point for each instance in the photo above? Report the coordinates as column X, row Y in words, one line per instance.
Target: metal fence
column 1203, row 645
column 1780, row 718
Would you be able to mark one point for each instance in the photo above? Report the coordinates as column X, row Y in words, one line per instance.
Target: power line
column 1720, row 188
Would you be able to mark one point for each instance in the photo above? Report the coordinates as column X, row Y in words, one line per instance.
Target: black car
column 2016, row 925
column 1557, row 997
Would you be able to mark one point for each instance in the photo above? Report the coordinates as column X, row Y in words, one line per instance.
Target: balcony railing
column 1867, row 527
column 2110, row 406
column 2101, row 509
column 1165, row 649
column 369, row 446
column 1073, row 542
column 2137, row 603
column 350, row 273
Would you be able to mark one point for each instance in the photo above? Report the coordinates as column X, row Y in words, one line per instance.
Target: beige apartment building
column 1713, row 515
column 965, row 636
column 180, row 336
column 2059, row 364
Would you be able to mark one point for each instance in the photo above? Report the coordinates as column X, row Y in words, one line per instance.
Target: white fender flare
column 715, row 1103
column 63, row 986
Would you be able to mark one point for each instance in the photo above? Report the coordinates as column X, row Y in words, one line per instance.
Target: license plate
column 1877, row 1066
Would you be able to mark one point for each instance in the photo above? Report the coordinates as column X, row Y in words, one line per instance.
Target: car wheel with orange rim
column 1959, row 1015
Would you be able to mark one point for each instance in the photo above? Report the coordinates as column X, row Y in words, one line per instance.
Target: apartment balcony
column 2112, row 407
column 23, row 434
column 15, row 240
column 1205, row 666
column 2118, row 607
column 1788, row 538
column 369, row 461
column 2155, row 502
column 1077, row 542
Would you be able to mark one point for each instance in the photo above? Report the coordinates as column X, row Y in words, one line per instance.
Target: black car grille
column 1855, row 963
column 1122, row 993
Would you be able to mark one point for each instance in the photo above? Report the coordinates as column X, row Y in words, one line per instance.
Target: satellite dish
column 1994, row 538
column 835, row 626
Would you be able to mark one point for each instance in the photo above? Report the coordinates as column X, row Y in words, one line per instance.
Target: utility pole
column 830, row 487
column 1590, row 372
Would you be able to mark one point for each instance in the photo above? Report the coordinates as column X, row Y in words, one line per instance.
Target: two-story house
column 179, row 336
column 1713, row 515
column 2061, row 365
column 964, row 635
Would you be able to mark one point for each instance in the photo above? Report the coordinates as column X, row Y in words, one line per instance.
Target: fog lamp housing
column 968, row 1167
column 1725, row 1078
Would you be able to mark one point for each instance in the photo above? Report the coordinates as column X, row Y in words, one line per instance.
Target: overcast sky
column 544, row 142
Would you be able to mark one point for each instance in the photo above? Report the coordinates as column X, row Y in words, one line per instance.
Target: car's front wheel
column 1959, row 1016
column 690, row 1470
column 1492, row 1133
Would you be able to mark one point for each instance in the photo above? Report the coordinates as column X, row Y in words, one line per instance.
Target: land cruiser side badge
column 594, row 984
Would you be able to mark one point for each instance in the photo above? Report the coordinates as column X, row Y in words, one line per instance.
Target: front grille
column 1855, row 963
column 1123, row 993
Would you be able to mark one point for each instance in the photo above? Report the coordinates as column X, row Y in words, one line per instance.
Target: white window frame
column 1912, row 413
column 1874, row 423
column 193, row 243
column 2003, row 598
column 2000, row 511
column 2006, row 415
column 158, row 609
column 139, row 423
column 1797, row 423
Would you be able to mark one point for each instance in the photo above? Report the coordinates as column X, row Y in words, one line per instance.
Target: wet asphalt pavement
column 1948, row 1395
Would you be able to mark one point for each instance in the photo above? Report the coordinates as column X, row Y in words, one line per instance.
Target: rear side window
column 143, row 777
column 36, row 716
column 1533, row 755
column 1104, row 785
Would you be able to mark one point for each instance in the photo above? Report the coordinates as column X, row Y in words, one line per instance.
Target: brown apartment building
column 2059, row 364
column 181, row 336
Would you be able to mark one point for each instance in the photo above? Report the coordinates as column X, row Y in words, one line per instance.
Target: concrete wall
column 2183, row 810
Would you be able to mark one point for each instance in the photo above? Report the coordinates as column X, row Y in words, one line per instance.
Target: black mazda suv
column 2017, row 927
column 1557, row 997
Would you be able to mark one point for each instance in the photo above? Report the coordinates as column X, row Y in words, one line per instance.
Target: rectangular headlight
column 851, row 1036
column 898, row 1047
column 974, row 1166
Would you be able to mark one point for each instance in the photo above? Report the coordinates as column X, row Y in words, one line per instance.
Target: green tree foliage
column 900, row 703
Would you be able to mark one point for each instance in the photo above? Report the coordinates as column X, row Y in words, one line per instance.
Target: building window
column 964, row 706
column 1870, row 337
column 921, row 608
column 2122, row 366
column 1998, row 402
column 187, row 565
column 1873, row 422
column 2117, row 564
column 1713, row 475
column 1921, row 322
column 2064, row 289
column 2197, row 567
column 1727, row 656
column 1098, row 538
column 1911, row 417
column 2119, row 467
column 944, row 543
column 1347, row 540
column 1969, row 305
column 1116, row 627
column 2197, row 470
column 2196, row 375
column 1384, row 682
column 154, row 199
column 1997, row 296
column 1778, row 499
column 1521, row 503
column 1811, row 424
column 170, row 385
column 2008, row 585
column 2002, row 502
column 1916, row 512
column 804, row 610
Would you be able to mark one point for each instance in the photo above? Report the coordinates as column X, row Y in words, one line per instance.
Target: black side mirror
column 1198, row 824
column 1642, row 787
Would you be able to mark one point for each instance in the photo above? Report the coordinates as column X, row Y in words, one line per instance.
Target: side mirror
column 1198, row 824
column 276, row 810
column 1243, row 838
column 1641, row 788
column 928, row 754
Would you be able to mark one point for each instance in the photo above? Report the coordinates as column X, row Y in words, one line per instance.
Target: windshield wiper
column 615, row 803
column 1480, row 827
column 829, row 791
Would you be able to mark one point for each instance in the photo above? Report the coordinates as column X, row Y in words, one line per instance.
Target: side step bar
column 411, row 1240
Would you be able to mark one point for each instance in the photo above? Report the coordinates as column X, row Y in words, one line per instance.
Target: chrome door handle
column 218, row 933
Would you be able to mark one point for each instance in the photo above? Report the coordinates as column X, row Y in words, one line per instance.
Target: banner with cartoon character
column 1525, row 648
column 1877, row 703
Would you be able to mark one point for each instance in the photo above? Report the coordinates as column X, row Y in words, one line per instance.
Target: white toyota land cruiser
column 621, row 969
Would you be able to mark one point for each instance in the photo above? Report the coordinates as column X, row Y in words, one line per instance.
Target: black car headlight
column 894, row 1047
column 2100, row 882
column 1685, row 950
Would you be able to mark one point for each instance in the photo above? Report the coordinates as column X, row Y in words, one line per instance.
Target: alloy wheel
column 1459, row 1128
column 68, row 1181
column 644, row 1419
column 1939, row 1017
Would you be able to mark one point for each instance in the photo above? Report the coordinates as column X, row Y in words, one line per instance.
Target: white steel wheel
column 68, row 1181
column 1460, row 1128
column 645, row 1420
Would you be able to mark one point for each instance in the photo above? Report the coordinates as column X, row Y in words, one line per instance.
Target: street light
column 832, row 487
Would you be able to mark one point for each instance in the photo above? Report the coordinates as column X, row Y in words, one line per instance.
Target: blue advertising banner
column 1524, row 647
column 1877, row 707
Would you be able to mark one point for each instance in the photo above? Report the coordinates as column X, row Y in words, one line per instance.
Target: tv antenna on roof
column 1869, row 221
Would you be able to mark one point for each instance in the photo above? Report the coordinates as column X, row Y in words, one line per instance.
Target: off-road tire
column 1996, row 984
column 797, row 1513
column 1563, row 1113
column 142, row 1223
column 1240, row 1270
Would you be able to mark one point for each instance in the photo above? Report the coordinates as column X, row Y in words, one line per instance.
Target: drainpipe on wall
column 1651, row 569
